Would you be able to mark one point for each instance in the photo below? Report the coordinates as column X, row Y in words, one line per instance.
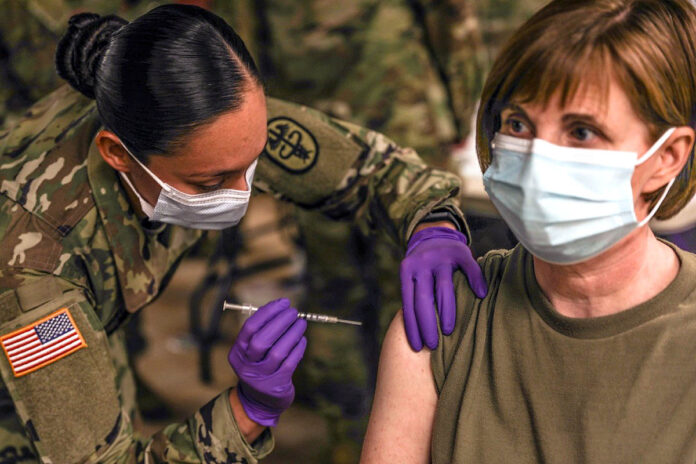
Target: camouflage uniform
column 29, row 32
column 71, row 242
column 411, row 68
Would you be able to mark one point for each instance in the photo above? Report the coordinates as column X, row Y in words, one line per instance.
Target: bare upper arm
column 402, row 414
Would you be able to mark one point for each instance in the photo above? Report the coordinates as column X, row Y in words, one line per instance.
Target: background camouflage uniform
column 29, row 32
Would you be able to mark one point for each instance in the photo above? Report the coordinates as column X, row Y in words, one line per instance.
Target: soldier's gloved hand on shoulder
column 265, row 355
column 432, row 256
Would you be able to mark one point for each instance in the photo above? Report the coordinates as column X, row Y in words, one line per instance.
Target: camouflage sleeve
column 452, row 35
column 79, row 389
column 210, row 435
column 351, row 173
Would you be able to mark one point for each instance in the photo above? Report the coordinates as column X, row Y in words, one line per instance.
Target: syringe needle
column 348, row 321
column 310, row 317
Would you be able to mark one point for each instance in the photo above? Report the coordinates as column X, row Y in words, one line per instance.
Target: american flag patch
column 42, row 342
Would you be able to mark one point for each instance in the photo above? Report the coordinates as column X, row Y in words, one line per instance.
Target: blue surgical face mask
column 565, row 205
column 208, row 211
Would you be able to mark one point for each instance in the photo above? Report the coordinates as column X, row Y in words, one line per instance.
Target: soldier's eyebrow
column 213, row 174
column 220, row 173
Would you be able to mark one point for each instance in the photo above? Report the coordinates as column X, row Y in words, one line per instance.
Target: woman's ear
column 112, row 151
column 671, row 158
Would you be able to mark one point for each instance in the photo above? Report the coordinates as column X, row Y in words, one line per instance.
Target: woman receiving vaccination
column 583, row 351
column 100, row 201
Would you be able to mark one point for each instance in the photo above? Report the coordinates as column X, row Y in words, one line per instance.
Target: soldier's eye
column 210, row 188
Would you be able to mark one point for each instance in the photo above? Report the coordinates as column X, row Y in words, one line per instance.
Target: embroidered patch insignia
column 42, row 342
column 290, row 145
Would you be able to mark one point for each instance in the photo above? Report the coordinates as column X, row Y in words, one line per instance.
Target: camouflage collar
column 143, row 261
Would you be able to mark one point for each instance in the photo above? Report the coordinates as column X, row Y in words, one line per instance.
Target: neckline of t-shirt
column 606, row 326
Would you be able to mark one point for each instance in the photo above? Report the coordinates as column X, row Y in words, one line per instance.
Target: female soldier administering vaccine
column 100, row 202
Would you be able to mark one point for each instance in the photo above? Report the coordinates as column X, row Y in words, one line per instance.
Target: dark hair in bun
column 159, row 77
column 82, row 47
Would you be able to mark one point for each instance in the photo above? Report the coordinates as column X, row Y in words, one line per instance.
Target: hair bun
column 81, row 48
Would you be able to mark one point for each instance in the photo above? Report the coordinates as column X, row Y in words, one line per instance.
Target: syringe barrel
column 247, row 308
column 311, row 317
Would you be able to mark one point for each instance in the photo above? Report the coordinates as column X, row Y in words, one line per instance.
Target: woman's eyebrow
column 581, row 116
column 514, row 107
column 584, row 117
column 518, row 109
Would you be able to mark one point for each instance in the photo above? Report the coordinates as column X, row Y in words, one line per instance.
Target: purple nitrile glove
column 265, row 355
column 432, row 256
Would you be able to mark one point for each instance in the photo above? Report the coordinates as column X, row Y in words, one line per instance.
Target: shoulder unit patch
column 42, row 342
column 291, row 145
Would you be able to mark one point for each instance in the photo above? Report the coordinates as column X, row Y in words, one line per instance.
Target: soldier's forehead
column 233, row 139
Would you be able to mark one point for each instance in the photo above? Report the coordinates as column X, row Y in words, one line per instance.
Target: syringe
column 310, row 317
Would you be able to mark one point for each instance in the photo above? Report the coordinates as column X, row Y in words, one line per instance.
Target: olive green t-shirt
column 520, row 383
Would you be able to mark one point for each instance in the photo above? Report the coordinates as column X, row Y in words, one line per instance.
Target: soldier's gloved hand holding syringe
column 264, row 357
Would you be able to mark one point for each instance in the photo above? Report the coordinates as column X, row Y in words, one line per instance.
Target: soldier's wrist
column 249, row 429
column 441, row 218
column 438, row 218
column 425, row 225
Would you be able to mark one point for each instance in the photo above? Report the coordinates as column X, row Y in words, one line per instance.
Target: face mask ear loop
column 656, row 146
column 657, row 206
column 152, row 174
column 147, row 208
column 644, row 158
column 249, row 175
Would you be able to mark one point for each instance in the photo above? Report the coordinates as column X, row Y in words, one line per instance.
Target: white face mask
column 565, row 205
column 208, row 211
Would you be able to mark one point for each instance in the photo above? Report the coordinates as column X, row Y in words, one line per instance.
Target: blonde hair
column 647, row 44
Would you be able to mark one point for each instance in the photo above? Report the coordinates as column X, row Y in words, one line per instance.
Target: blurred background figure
column 411, row 69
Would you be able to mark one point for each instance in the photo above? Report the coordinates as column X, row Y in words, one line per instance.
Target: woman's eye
column 583, row 134
column 515, row 126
